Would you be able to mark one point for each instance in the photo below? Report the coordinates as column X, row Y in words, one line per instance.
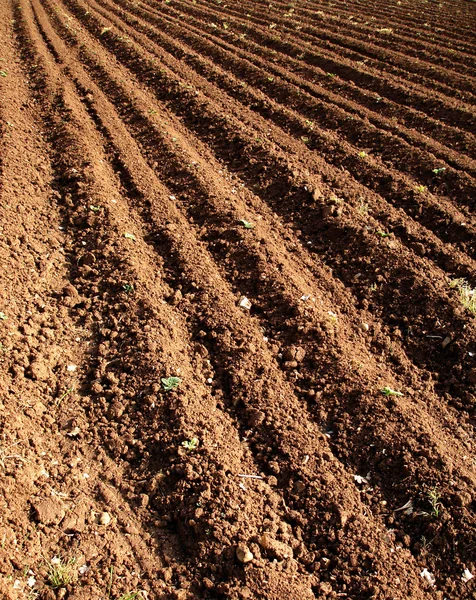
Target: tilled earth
column 274, row 204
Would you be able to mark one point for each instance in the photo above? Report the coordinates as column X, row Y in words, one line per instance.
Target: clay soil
column 271, row 203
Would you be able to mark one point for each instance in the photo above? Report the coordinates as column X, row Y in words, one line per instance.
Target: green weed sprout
column 170, row 383
column 246, row 224
column 387, row 391
column 190, row 445
column 61, row 573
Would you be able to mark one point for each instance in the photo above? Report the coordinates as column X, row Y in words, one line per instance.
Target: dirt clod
column 39, row 370
column 275, row 548
column 50, row 511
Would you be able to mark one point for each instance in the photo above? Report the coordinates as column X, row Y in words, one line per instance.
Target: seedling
column 330, row 74
column 170, row 383
column 305, row 139
column 132, row 596
column 467, row 294
column 434, row 498
column 383, row 234
column 95, row 208
column 130, row 236
column 128, row 287
column 362, row 154
column 105, row 30
column 271, row 79
column 61, row 574
column 3, row 316
column 246, row 224
column 387, row 391
column 3, row 73
column 310, row 124
column 190, row 445
column 420, row 189
column 439, row 170
column 363, row 208
column 63, row 396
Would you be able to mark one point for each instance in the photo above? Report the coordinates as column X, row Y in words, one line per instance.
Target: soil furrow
column 411, row 95
column 387, row 148
column 325, row 227
column 447, row 81
column 235, row 338
column 454, row 41
column 310, row 78
column 69, row 147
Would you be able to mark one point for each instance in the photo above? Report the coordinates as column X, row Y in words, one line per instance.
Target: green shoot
column 128, row 287
column 63, row 396
column 105, row 30
column 383, row 234
column 439, row 170
column 3, row 73
column 190, row 445
column 60, row 573
column 132, row 596
column 246, row 224
column 467, row 294
column 95, row 208
column 130, row 236
column 420, row 189
column 387, row 391
column 170, row 383
column 362, row 154
column 434, row 498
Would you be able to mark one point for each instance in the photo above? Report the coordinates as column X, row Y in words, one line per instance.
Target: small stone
column 244, row 303
column 176, row 297
column 290, row 364
column 364, row 326
column 446, row 341
column 299, row 354
column 104, row 518
column 244, row 554
column 472, row 376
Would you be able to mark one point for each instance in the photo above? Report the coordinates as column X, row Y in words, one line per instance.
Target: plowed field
column 273, row 204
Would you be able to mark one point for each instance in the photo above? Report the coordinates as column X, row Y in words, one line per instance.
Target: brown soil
column 137, row 140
